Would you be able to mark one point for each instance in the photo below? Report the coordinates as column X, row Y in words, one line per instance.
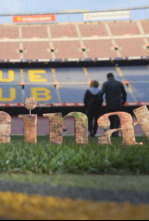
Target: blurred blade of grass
column 93, row 158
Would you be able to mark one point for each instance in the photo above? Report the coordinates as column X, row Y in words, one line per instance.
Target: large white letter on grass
column 126, row 128
column 30, row 121
column 81, row 127
column 56, row 128
column 5, row 127
column 142, row 114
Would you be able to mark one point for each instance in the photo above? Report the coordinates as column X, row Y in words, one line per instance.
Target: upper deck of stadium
column 74, row 41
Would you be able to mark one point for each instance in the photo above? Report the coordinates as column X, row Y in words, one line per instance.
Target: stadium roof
column 45, row 6
column 80, row 11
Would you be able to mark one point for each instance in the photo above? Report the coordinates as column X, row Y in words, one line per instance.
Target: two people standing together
column 116, row 97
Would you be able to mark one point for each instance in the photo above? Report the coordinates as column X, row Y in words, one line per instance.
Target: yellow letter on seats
column 12, row 95
column 41, row 94
column 35, row 76
column 10, row 79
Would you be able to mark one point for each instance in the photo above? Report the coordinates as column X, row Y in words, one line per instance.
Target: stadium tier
column 65, row 86
column 77, row 41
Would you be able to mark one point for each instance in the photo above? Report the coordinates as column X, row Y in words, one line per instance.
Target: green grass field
column 44, row 158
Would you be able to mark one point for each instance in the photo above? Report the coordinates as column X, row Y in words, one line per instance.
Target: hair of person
column 110, row 75
column 94, row 84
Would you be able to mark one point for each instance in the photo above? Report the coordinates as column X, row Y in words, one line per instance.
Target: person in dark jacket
column 116, row 97
column 93, row 104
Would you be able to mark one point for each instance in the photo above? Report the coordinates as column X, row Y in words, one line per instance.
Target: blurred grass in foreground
column 44, row 158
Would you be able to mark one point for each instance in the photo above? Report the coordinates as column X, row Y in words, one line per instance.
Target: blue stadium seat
column 99, row 74
column 141, row 91
column 70, row 75
column 73, row 93
column 129, row 96
column 136, row 73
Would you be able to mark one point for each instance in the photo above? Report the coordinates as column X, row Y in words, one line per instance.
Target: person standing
column 93, row 104
column 116, row 97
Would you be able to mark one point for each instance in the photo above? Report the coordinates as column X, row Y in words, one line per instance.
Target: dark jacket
column 92, row 100
column 116, row 95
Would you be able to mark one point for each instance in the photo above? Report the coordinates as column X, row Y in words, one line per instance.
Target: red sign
column 34, row 18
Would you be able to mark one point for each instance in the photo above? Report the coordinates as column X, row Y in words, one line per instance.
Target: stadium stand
column 139, row 80
column 9, row 51
column 92, row 30
column 34, row 32
column 36, row 50
column 75, row 41
column 70, row 75
column 63, row 30
column 70, row 85
column 73, row 93
column 133, row 47
column 68, row 50
column 136, row 74
column 145, row 26
column 124, row 28
column 141, row 91
column 100, row 49
column 100, row 73
column 64, row 43
column 9, row 32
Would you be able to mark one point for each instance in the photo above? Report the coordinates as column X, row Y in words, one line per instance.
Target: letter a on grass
column 126, row 128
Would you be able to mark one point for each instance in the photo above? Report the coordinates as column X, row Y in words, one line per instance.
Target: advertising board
column 34, row 19
column 113, row 15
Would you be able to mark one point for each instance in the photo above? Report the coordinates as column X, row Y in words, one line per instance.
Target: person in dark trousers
column 116, row 97
column 93, row 104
